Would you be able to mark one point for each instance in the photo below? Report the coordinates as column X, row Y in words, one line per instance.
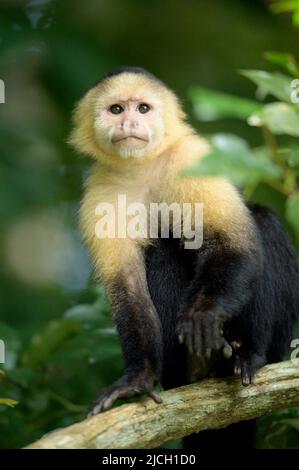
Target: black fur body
column 263, row 328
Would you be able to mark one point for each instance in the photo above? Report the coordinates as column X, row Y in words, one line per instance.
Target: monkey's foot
column 246, row 365
column 126, row 387
column 202, row 333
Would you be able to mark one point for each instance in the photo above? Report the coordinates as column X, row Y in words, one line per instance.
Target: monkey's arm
column 227, row 267
column 137, row 322
column 222, row 286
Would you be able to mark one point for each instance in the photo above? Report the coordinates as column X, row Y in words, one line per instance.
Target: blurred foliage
column 7, row 401
column 47, row 376
column 60, row 344
column 291, row 6
column 275, row 162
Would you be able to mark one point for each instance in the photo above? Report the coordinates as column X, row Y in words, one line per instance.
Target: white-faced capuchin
column 227, row 307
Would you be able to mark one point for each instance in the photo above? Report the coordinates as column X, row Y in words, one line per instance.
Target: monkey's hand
column 129, row 385
column 202, row 333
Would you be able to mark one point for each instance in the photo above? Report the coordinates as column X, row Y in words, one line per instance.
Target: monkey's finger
column 237, row 366
column 207, row 335
column 197, row 338
column 105, row 401
column 155, row 396
column 91, row 413
column 217, row 336
column 226, row 350
column 181, row 338
column 96, row 408
column 208, row 353
column 180, row 333
column 108, row 401
column 245, row 373
column 189, row 342
column 188, row 334
column 121, row 392
column 246, row 379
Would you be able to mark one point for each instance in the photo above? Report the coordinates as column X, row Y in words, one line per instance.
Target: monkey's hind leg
column 140, row 334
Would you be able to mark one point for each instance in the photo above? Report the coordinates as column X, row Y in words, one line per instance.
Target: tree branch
column 209, row 404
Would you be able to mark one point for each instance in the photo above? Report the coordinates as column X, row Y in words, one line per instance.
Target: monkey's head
column 129, row 113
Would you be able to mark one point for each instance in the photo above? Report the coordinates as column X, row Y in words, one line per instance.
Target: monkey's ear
column 82, row 134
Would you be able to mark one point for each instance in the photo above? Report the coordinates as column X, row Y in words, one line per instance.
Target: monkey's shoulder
column 189, row 150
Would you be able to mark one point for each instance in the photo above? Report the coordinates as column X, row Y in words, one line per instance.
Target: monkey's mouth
column 129, row 138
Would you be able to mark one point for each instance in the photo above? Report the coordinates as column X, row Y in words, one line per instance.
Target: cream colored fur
column 154, row 178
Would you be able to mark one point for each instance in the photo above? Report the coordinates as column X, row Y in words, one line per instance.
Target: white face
column 129, row 126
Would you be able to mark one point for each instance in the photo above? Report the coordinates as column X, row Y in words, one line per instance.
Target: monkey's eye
column 143, row 108
column 116, row 109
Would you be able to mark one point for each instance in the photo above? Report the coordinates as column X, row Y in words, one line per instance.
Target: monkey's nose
column 129, row 125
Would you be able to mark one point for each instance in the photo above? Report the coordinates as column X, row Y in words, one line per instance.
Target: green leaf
column 293, row 423
column 231, row 157
column 285, row 60
column 280, row 118
column 210, row 105
column 25, row 377
column 284, row 6
column 291, row 154
column 90, row 316
column 275, row 83
column 296, row 18
column 264, row 194
column 8, row 402
column 82, row 313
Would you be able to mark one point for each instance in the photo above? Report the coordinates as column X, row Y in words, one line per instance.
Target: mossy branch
column 209, row 404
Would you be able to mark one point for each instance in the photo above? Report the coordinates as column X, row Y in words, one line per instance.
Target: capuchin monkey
column 225, row 307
